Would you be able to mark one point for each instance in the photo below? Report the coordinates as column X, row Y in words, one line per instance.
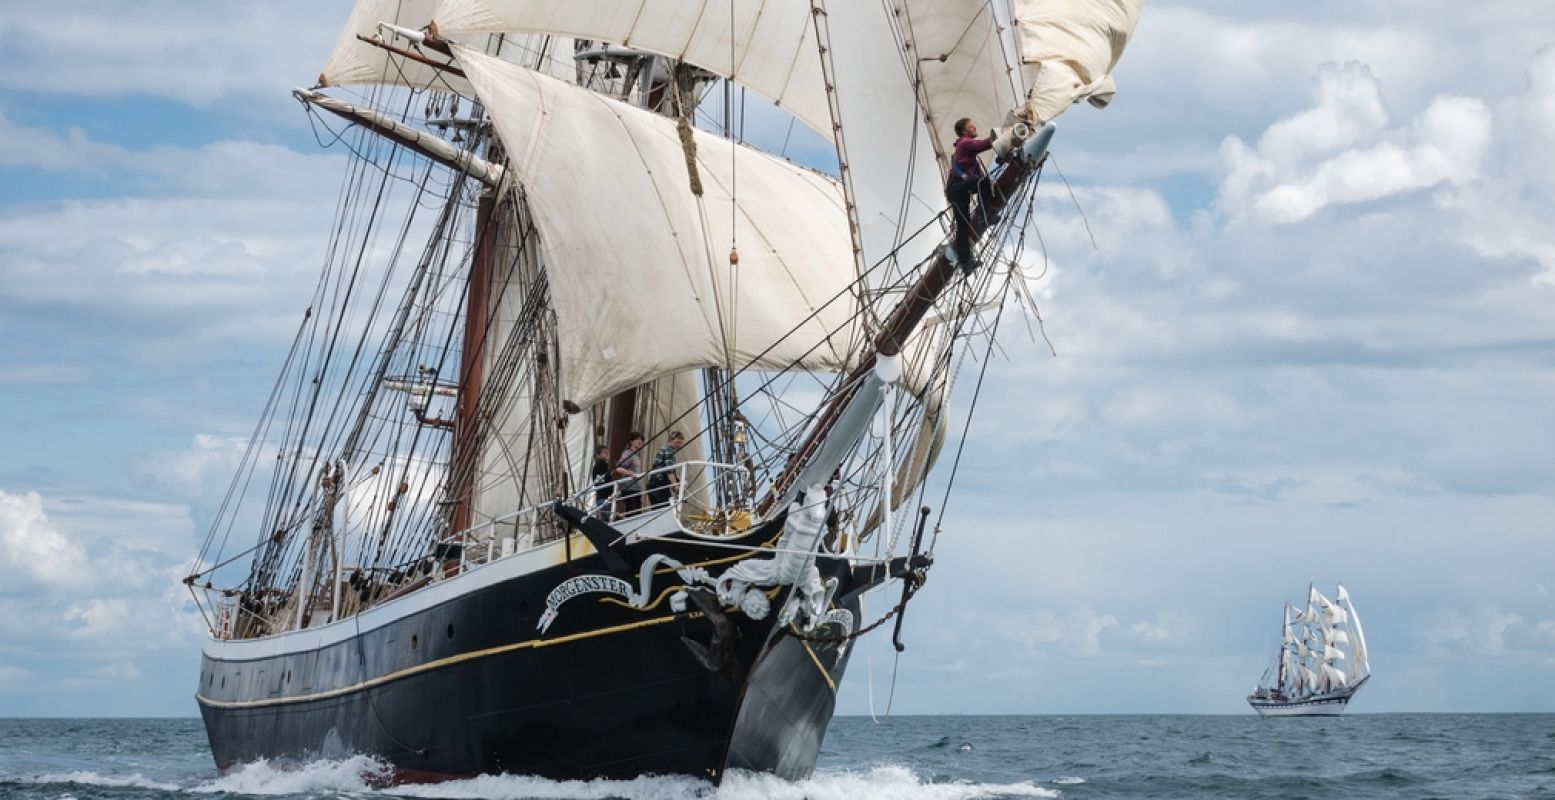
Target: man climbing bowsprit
column 967, row 177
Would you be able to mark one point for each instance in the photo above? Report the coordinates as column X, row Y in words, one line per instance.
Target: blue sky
column 1315, row 341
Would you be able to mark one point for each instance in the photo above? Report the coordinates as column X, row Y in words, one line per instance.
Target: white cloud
column 68, row 150
column 141, row 527
column 1340, row 152
column 1482, row 631
column 88, row 588
column 32, row 552
column 193, row 53
column 225, row 239
column 208, row 463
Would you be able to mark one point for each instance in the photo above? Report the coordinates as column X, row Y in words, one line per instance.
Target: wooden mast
column 466, row 446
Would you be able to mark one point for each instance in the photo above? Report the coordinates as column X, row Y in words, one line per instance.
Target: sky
column 1314, row 340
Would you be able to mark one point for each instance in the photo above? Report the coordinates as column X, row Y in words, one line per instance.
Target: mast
column 471, row 357
column 1279, row 680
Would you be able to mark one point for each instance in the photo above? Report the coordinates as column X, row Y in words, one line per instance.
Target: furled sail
column 1067, row 51
column 353, row 61
column 772, row 52
column 638, row 276
column 773, row 49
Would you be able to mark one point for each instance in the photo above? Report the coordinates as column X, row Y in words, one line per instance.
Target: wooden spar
column 412, row 55
column 427, row 37
column 466, row 419
column 426, row 144
column 904, row 319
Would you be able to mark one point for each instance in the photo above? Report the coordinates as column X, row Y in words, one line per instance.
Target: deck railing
column 638, row 512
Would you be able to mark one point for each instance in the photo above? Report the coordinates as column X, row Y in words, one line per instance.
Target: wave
column 877, row 783
column 355, row 774
column 947, row 743
column 361, row 776
column 87, row 778
column 888, row 782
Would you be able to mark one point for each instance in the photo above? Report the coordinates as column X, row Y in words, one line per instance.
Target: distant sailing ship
column 1321, row 662
column 528, row 266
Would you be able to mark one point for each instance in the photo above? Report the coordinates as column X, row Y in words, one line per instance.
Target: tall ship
column 606, row 432
column 1321, row 662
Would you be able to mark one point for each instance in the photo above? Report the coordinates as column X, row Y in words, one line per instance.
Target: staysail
column 1360, row 663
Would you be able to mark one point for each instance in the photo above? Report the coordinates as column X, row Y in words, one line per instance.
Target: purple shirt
column 965, row 163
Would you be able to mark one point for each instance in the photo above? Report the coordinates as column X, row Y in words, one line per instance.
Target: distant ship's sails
column 1322, row 650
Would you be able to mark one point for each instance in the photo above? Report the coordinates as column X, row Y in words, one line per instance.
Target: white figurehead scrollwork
column 794, row 565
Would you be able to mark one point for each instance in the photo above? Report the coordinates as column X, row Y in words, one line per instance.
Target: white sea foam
column 84, row 778
column 355, row 774
column 891, row 782
column 361, row 775
column 1068, row 780
column 520, row 787
column 879, row 783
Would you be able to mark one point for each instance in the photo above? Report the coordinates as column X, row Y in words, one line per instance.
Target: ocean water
column 1456, row 756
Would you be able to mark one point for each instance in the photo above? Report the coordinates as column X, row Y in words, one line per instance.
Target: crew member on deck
column 599, row 477
column 664, row 482
column 967, row 176
column 630, row 467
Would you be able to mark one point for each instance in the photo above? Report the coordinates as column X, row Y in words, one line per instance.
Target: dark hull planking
column 471, row 686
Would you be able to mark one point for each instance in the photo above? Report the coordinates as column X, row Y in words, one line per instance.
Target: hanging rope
column 688, row 143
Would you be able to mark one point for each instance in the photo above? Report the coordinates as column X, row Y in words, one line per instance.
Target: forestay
column 638, row 268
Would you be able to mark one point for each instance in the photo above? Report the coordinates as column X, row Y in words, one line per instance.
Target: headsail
column 1360, row 663
column 1067, row 51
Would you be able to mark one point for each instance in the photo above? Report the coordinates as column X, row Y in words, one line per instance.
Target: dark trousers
column 959, row 192
column 630, row 502
column 659, row 494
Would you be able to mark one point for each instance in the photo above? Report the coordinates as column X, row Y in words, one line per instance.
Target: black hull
column 470, row 686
